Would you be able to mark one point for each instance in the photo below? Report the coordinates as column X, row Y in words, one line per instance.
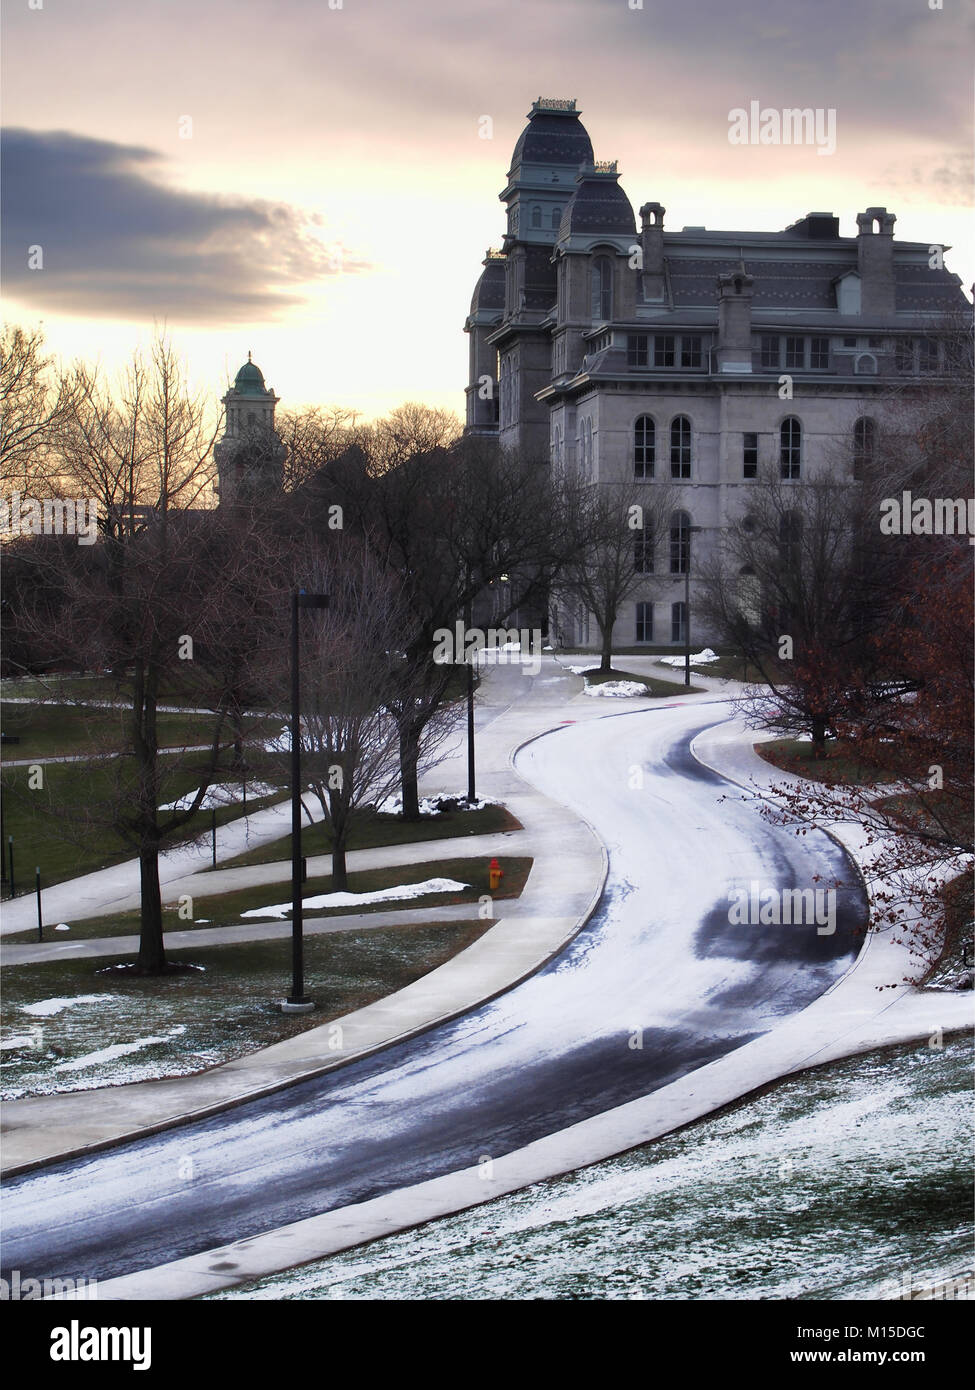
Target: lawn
column 225, row 909
column 135, row 1029
column 371, row 829
column 839, row 768
column 48, row 823
column 49, row 731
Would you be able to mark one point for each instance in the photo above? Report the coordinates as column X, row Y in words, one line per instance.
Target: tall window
column 636, row 350
column 770, row 350
column 790, row 447
column 928, row 355
column 864, row 443
column 690, row 351
column 749, row 455
column 644, row 447
column 904, row 354
column 556, row 218
column 819, row 352
column 536, row 216
column 795, row 352
column 790, row 538
column 680, row 447
column 602, row 288
column 678, row 623
column 644, row 622
column 680, row 542
column 642, row 553
column 663, row 349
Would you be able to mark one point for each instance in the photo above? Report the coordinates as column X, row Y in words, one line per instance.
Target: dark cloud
column 118, row 243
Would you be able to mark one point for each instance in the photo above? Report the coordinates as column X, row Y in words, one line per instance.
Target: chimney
column 652, row 219
column 734, row 352
column 875, row 261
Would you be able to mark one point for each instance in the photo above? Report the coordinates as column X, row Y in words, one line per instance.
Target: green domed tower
column 250, row 457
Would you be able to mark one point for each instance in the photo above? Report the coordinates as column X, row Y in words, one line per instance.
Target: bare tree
column 615, row 533
column 36, row 403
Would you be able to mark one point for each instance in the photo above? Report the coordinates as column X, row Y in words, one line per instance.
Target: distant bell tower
column 250, row 457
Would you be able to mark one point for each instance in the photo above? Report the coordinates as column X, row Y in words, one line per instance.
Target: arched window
column 680, row 447
column 556, row 218
column 644, row 447
column 864, row 444
column 536, row 216
column 602, row 288
column 680, row 542
column 865, row 364
column 642, row 552
column 790, row 538
column 790, row 447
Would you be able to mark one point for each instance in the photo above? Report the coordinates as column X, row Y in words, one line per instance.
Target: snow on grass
column 434, row 805
column 700, row 659
column 46, row 1008
column 222, row 794
column 581, row 670
column 844, row 1183
column 109, row 1054
column 381, row 895
column 616, row 688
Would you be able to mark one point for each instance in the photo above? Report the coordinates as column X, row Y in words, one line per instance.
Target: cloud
column 119, row 243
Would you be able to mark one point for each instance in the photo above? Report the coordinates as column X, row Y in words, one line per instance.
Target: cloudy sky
column 309, row 179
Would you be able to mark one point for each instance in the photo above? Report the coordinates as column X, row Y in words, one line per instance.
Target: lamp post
column 468, row 619
column 297, row 1003
column 687, row 606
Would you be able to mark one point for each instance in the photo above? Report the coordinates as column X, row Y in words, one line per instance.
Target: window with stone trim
column 790, row 448
column 644, row 447
column 749, row 455
column 680, row 447
column 644, row 622
column 680, row 542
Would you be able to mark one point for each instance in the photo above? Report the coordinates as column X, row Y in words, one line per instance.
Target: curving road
column 659, row 956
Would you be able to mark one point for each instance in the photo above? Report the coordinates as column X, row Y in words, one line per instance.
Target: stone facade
column 696, row 356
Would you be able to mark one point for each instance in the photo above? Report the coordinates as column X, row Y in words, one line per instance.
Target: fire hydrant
column 495, row 874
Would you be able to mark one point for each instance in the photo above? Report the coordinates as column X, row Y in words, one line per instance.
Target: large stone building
column 644, row 353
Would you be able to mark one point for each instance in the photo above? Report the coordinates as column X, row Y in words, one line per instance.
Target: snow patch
column 616, row 688
column 381, row 895
column 701, row 659
column 108, row 1054
column 48, row 1007
column 221, row 794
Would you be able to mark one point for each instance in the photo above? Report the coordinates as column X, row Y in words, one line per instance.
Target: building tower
column 250, row 456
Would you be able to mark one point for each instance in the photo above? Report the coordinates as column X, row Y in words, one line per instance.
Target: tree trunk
column 409, row 757
column 818, row 736
column 340, row 877
column 151, row 959
column 606, row 658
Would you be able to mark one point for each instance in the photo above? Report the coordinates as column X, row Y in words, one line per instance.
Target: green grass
column 371, row 829
column 48, row 823
column 655, row 688
column 49, row 731
column 209, row 1016
column 225, row 909
column 839, row 768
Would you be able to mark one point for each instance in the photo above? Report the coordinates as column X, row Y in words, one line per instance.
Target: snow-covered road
column 660, row 982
